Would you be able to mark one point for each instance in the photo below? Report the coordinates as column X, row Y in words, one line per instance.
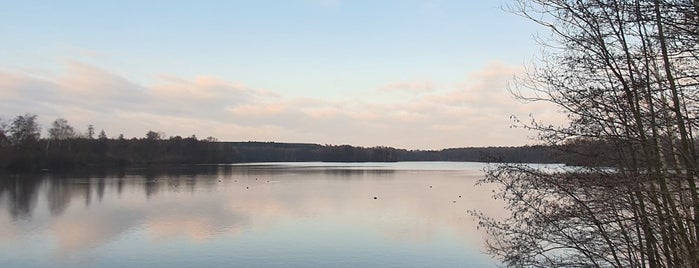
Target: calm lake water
column 252, row 215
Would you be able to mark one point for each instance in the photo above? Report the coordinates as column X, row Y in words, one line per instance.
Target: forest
column 22, row 148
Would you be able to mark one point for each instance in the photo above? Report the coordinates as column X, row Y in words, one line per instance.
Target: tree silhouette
column 24, row 129
column 90, row 132
column 61, row 130
column 625, row 73
column 152, row 135
column 102, row 135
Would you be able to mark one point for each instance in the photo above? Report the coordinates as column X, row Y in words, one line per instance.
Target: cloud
column 206, row 207
column 201, row 89
column 474, row 112
column 87, row 94
column 413, row 87
column 94, row 85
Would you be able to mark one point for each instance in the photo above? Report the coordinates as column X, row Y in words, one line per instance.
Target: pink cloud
column 413, row 87
column 475, row 112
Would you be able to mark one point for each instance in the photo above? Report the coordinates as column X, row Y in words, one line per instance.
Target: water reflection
column 21, row 193
column 279, row 208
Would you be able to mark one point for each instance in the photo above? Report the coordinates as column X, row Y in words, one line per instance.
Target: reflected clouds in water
column 202, row 204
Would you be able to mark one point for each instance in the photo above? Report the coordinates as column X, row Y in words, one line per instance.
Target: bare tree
column 626, row 74
column 24, row 129
column 61, row 130
column 102, row 135
column 4, row 140
column 153, row 135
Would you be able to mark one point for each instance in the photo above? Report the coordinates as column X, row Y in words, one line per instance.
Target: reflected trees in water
column 21, row 195
column 21, row 192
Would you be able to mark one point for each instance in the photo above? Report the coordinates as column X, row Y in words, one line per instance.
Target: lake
column 406, row 214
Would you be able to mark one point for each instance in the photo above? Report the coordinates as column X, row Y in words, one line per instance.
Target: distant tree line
column 23, row 148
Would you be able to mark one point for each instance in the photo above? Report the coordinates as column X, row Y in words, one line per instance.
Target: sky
column 414, row 74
